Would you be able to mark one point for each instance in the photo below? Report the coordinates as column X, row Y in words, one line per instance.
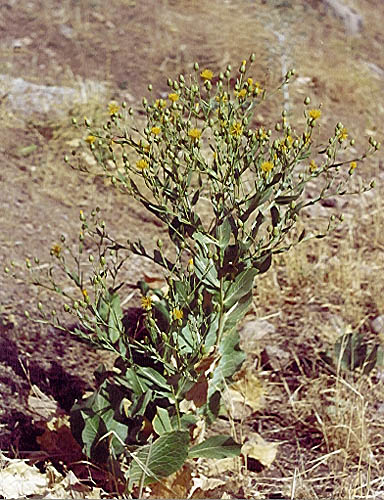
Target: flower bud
column 307, row 101
column 252, row 57
column 160, row 243
column 196, row 66
column 150, row 87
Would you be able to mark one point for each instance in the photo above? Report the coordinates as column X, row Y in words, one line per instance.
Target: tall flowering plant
column 229, row 193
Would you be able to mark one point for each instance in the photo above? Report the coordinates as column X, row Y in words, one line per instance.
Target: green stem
column 221, row 312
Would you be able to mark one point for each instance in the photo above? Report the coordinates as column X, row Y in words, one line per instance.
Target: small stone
column 252, row 331
column 377, row 324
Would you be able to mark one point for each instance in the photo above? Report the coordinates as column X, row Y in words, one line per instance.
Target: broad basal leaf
column 216, row 447
column 159, row 459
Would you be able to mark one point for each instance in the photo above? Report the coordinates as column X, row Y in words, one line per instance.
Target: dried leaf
column 258, row 449
column 58, row 440
column 42, row 405
column 198, row 392
column 177, row 485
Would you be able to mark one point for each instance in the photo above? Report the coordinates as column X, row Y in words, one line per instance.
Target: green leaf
column 223, row 233
column 162, row 423
column 232, row 356
column 153, row 379
column 207, row 273
column 242, row 285
column 351, row 350
column 160, row 459
column 263, row 263
column 216, row 447
column 182, row 289
column 97, row 424
column 237, row 312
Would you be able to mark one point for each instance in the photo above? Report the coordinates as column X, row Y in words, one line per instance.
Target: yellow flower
column 352, row 166
column 343, row 134
column 242, row 93
column 257, row 88
column 266, row 166
column 56, row 250
column 160, row 103
column 236, row 129
column 90, row 139
column 146, row 303
column 314, row 113
column 206, row 74
column 177, row 314
column 113, row 107
column 307, row 138
column 173, row 97
column 312, row 166
column 263, row 135
column 222, row 97
column 142, row 164
column 250, row 82
column 155, row 130
column 190, row 265
column 85, row 294
column 194, row 133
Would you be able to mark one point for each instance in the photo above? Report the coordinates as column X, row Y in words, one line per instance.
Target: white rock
column 352, row 20
column 377, row 324
column 252, row 331
column 27, row 98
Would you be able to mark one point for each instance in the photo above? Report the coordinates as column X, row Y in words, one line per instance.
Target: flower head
column 146, row 303
column 177, row 314
column 242, row 93
column 155, row 130
column 266, row 166
column 236, row 129
column 194, row 133
column 190, row 265
column 90, row 139
column 56, row 250
column 343, row 134
column 113, row 107
column 160, row 103
column 142, row 164
column 314, row 113
column 206, row 74
column 173, row 97
column 352, row 166
column 312, row 166
column 85, row 294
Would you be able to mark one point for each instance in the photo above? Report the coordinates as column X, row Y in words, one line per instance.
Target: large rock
column 352, row 20
column 28, row 98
